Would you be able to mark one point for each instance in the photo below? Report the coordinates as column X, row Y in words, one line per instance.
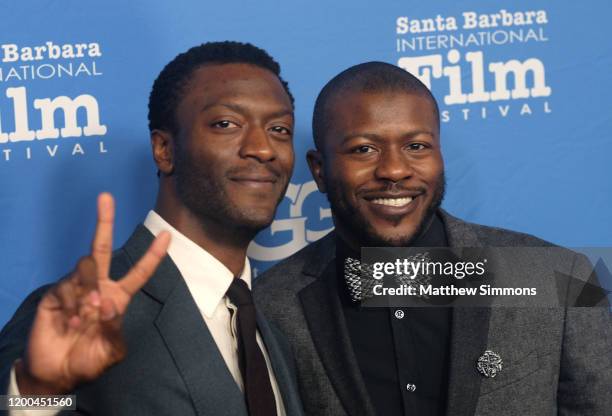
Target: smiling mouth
column 392, row 202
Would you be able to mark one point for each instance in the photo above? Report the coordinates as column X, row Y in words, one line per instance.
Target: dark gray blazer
column 557, row 361
column 173, row 366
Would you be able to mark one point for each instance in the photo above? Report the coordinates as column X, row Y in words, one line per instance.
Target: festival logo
column 297, row 234
column 32, row 125
column 449, row 55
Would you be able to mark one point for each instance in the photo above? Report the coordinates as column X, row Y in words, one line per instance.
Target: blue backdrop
column 524, row 91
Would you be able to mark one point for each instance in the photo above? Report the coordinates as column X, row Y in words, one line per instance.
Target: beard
column 201, row 189
column 362, row 231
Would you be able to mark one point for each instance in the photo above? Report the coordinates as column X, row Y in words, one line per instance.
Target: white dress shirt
column 208, row 280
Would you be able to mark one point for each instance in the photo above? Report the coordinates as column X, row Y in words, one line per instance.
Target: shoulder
column 463, row 232
column 517, row 245
column 132, row 250
column 502, row 237
column 298, row 270
column 121, row 263
column 26, row 311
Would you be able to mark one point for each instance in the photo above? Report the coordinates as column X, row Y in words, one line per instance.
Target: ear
column 162, row 144
column 315, row 163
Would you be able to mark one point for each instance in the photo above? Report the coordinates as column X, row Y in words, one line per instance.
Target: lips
column 257, row 174
column 261, row 183
column 395, row 197
column 257, row 184
column 392, row 202
column 255, row 178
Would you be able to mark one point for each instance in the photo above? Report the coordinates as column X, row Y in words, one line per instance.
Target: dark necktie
column 257, row 386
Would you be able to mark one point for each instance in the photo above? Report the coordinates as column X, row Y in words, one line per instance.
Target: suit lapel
column 284, row 378
column 197, row 357
column 469, row 335
column 189, row 342
column 326, row 323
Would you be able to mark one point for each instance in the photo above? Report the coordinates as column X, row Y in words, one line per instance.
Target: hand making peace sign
column 76, row 333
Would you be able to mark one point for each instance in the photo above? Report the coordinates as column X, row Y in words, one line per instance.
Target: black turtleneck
column 393, row 353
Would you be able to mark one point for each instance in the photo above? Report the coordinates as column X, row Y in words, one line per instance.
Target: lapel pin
column 489, row 364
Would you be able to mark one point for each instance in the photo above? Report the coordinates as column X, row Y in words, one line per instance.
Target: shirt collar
column 206, row 277
column 433, row 236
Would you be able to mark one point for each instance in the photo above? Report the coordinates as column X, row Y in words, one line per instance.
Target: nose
column 393, row 166
column 257, row 144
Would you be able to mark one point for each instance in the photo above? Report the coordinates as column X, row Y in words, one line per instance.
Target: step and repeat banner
column 523, row 86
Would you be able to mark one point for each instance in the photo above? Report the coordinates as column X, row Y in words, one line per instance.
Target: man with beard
column 377, row 135
column 184, row 339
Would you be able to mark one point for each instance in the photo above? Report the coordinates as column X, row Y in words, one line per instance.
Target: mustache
column 392, row 188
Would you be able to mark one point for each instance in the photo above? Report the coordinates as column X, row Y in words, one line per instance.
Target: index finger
column 102, row 245
column 144, row 268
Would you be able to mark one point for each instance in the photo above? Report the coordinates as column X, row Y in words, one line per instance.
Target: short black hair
column 365, row 77
column 170, row 84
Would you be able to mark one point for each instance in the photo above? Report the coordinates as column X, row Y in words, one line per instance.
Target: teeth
column 393, row 202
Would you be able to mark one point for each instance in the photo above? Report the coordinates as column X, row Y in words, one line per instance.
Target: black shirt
column 404, row 362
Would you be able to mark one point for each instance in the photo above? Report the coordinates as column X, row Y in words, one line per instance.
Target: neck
column 355, row 242
column 227, row 244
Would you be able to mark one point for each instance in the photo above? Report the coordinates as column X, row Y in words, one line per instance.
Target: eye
column 363, row 149
column 281, row 130
column 224, row 124
column 416, row 146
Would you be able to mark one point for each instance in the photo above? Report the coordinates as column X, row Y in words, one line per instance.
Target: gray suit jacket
column 173, row 366
column 556, row 360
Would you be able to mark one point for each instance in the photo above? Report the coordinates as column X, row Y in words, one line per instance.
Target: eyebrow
column 241, row 109
column 378, row 137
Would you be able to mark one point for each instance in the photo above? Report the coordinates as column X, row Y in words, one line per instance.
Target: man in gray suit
column 378, row 159
column 129, row 337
